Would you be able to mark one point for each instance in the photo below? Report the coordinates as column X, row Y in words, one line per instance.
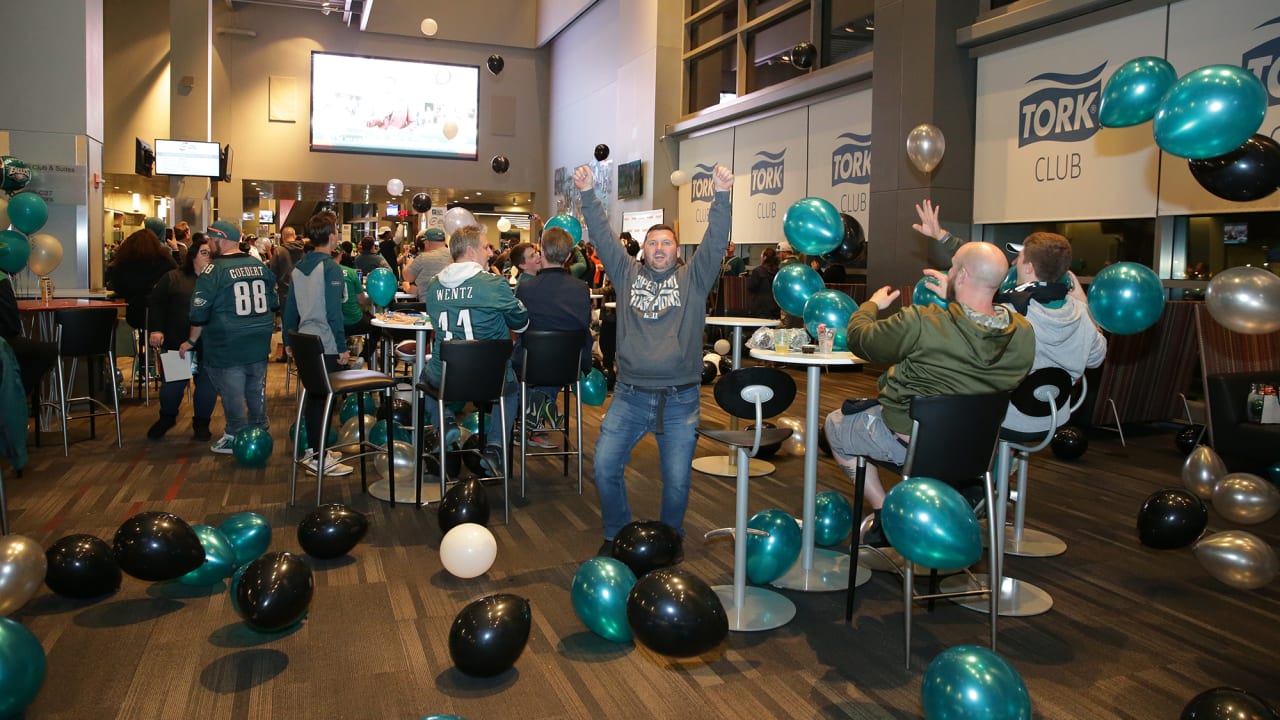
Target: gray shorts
column 865, row 434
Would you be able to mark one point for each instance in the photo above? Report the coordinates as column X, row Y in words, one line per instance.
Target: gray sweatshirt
column 1065, row 338
column 661, row 315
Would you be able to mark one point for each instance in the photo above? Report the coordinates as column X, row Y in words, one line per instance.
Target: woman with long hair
column 139, row 262
column 170, row 327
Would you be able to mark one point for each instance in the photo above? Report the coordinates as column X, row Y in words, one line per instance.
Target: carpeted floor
column 1134, row 632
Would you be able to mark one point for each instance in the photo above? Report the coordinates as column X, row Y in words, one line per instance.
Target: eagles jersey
column 235, row 301
column 466, row 303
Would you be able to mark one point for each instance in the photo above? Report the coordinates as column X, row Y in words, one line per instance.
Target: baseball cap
column 785, row 246
column 223, row 230
column 1014, row 248
column 155, row 225
column 434, row 234
column 383, row 230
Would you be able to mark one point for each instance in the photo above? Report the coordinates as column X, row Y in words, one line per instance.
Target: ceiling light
column 478, row 193
column 429, row 27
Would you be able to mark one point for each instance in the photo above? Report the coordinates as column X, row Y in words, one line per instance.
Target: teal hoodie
column 314, row 306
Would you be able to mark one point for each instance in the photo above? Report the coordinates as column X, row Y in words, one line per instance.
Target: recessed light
column 478, row 193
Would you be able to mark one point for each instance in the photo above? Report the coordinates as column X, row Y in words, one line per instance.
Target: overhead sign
column 840, row 154
column 698, row 159
column 770, row 164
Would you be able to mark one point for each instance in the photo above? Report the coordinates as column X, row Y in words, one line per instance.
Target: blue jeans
column 204, row 397
column 243, row 389
column 631, row 415
column 495, row 434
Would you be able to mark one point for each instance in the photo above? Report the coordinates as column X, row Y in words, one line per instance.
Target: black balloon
column 500, row 164
column 852, row 242
column 766, row 451
column 1171, row 519
column 1069, row 442
column 1188, row 438
column 81, row 566
column 489, row 634
column 471, row 459
column 421, row 202
column 157, row 546
column 725, row 366
column 709, row 372
column 465, row 502
column 495, row 64
column 331, row 531
column 273, row 592
column 602, row 152
column 648, row 545
column 675, row 613
column 1250, row 172
column 1227, row 703
column 401, row 411
column 804, row 55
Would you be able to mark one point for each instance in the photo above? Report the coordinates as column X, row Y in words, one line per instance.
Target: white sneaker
column 334, row 458
column 310, row 461
column 223, row 446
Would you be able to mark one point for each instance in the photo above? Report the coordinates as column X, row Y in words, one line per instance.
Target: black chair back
column 85, row 331
column 474, row 370
column 954, row 436
column 1024, row 399
column 728, row 392
column 551, row 357
column 407, row 306
column 308, row 358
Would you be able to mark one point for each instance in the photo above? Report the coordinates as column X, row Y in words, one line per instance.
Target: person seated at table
column 369, row 259
column 973, row 347
column 170, row 325
column 760, row 287
column 433, row 258
column 139, row 263
column 527, row 259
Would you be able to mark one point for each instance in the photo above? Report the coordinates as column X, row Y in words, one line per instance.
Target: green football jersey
column 235, row 301
column 466, row 303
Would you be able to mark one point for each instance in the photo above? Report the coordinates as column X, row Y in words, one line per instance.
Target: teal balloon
column 14, row 251
column 1210, row 112
column 1133, row 92
column 794, row 284
column 234, row 588
column 471, row 422
column 599, row 594
column 813, row 226
column 924, row 293
column 832, row 308
column 568, row 223
column 594, row 387
column 1126, row 298
column 1273, row 473
column 833, row 518
column 219, row 558
column 968, row 682
column 381, row 286
column 28, row 212
column 22, row 667
column 252, row 446
column 378, row 433
column 14, row 174
column 930, row 523
column 768, row 558
column 351, row 407
column 304, row 444
column 249, row 534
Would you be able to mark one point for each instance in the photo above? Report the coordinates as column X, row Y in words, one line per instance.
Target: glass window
column 850, row 27
column 1217, row 242
column 696, row 5
column 711, row 78
column 1095, row 244
column 713, row 26
column 770, row 51
column 756, row 8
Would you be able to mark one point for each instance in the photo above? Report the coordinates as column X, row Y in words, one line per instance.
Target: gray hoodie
column 1066, row 338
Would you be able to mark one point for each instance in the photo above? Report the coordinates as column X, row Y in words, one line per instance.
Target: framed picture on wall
column 630, row 180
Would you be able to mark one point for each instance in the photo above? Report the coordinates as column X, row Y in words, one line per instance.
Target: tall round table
column 406, row 488
column 727, row 465
column 818, row 569
column 42, row 326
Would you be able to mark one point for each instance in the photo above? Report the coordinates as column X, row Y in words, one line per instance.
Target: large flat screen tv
column 192, row 158
column 385, row 106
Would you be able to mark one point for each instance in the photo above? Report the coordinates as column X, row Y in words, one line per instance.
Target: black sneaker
column 606, row 549
column 874, row 536
column 200, row 430
column 161, row 426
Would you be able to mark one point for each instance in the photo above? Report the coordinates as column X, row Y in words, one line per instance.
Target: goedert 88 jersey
column 466, row 303
column 235, row 300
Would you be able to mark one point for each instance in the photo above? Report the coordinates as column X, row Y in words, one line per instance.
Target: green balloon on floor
column 350, row 405
column 378, row 433
column 833, row 518
column 22, row 667
column 219, row 558
column 252, row 446
column 249, row 534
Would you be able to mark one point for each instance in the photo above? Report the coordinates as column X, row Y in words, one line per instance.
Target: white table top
column 401, row 321
column 741, row 321
column 796, row 357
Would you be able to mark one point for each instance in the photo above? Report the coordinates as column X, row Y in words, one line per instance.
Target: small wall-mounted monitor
column 144, row 159
column 224, row 164
column 266, row 217
column 630, row 180
column 1235, row 233
column 190, row 158
column 393, row 210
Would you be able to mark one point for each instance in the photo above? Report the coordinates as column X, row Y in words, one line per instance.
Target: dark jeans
column 313, row 410
column 204, row 397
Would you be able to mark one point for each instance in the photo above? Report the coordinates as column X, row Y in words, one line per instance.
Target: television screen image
column 394, row 107
column 1235, row 233
column 144, row 158
column 393, row 209
column 191, row 158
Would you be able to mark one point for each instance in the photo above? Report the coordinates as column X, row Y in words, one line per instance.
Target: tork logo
column 766, row 173
column 702, row 188
column 1067, row 111
column 1264, row 61
column 851, row 161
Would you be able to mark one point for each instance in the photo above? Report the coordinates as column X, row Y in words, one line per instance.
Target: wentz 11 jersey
column 235, row 300
column 466, row 303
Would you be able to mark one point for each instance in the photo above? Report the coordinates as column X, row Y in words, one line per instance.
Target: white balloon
column 468, row 550
column 793, row 445
column 679, row 178
column 429, row 27
column 722, row 346
column 350, row 433
column 46, row 254
column 395, row 186
column 503, row 224
column 1245, row 299
column 4, row 213
column 458, row 218
column 925, row 147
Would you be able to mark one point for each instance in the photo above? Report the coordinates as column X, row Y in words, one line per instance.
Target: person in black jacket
column 139, row 263
column 760, row 286
column 170, row 326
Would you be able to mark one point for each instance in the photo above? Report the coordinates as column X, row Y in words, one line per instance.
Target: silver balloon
column 925, row 147
column 1237, row 558
column 46, row 253
column 349, row 433
column 1202, row 471
column 1246, row 499
column 457, row 218
column 793, row 445
column 403, row 454
column 4, row 213
column 22, row 570
column 1245, row 299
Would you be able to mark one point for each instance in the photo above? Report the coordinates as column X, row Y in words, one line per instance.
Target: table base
column 830, row 572
column 726, row 466
column 1034, row 543
column 1018, row 598
column 761, row 609
column 405, row 492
